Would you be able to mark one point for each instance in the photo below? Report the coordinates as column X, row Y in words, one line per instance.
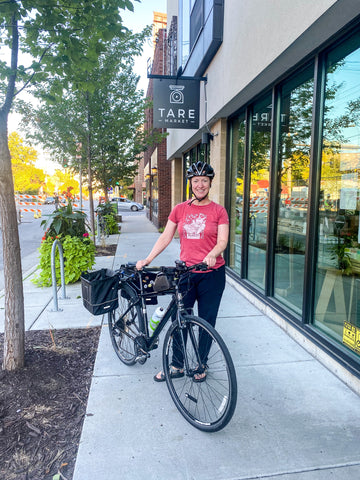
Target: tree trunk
column 90, row 186
column 14, row 343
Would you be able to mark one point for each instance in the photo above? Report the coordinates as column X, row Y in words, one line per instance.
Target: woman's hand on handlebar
column 210, row 260
column 141, row 264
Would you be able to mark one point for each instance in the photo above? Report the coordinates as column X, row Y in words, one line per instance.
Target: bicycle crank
column 141, row 350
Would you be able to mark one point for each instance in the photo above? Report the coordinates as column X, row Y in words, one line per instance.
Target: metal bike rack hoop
column 53, row 274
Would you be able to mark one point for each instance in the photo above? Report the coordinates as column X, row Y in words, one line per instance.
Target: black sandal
column 174, row 373
column 201, row 371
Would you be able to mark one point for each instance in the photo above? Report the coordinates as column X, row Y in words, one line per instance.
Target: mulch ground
column 43, row 405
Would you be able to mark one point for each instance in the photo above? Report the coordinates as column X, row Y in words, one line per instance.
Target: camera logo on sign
column 176, row 94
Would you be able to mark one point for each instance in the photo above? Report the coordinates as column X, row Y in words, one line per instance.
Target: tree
column 27, row 178
column 60, row 181
column 106, row 121
column 62, row 37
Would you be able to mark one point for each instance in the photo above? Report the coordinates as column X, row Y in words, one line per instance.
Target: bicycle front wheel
column 126, row 324
column 197, row 347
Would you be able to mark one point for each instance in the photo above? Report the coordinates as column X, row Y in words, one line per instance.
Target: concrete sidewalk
column 294, row 419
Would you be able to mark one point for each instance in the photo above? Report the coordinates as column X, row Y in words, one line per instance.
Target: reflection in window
column 338, row 262
column 236, row 200
column 259, row 194
column 196, row 21
column 184, row 31
column 293, row 188
column 155, row 195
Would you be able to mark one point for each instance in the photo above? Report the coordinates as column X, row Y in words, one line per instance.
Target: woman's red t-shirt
column 198, row 228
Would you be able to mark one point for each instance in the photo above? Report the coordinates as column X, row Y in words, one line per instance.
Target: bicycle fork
column 185, row 328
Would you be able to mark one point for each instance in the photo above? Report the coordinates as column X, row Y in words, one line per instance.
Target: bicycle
column 207, row 405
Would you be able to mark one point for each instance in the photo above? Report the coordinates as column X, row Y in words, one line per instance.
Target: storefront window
column 337, row 302
column 237, row 194
column 259, row 191
column 293, row 188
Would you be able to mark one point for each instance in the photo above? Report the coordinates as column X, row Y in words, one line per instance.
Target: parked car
column 126, row 204
column 51, row 201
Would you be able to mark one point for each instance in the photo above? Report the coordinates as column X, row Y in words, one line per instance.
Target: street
column 31, row 233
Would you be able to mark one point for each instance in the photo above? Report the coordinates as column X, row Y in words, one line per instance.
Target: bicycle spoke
column 209, row 404
column 125, row 325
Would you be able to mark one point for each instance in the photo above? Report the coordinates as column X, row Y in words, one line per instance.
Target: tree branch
column 34, row 73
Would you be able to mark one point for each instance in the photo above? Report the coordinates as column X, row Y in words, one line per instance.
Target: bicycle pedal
column 141, row 359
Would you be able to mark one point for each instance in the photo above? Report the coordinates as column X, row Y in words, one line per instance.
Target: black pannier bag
column 155, row 282
column 148, row 287
column 161, row 283
column 99, row 291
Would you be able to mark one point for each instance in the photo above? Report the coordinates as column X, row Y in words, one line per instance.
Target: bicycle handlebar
column 180, row 266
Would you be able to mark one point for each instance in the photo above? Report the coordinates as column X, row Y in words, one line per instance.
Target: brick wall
column 163, row 165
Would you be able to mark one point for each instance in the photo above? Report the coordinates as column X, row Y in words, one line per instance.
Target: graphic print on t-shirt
column 194, row 226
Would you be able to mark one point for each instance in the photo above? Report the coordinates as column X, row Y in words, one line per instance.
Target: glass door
column 259, row 191
column 237, row 156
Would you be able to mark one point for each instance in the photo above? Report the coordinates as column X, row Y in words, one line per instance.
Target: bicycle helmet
column 200, row 169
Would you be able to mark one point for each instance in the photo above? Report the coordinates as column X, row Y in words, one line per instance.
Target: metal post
column 53, row 274
column 98, row 227
column 80, row 183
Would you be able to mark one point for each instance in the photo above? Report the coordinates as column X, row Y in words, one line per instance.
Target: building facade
column 280, row 108
column 157, row 170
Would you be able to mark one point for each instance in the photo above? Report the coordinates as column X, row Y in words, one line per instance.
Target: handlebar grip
column 202, row 267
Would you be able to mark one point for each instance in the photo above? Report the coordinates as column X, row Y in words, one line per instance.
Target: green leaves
column 129, row 5
column 63, row 37
column 79, row 256
column 65, row 221
column 101, row 104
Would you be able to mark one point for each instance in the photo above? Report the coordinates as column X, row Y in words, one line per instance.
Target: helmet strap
column 198, row 199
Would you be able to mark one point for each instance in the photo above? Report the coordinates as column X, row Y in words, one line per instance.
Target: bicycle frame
column 176, row 306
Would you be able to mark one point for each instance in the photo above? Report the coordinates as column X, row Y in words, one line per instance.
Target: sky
column 135, row 21
column 142, row 16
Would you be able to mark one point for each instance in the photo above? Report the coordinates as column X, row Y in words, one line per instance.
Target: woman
column 203, row 228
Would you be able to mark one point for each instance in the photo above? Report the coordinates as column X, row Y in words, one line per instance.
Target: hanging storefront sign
column 176, row 103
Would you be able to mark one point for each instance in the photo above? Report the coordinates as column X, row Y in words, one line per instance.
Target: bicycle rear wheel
column 210, row 404
column 126, row 323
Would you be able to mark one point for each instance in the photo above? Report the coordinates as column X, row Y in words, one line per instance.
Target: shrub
column 109, row 213
column 69, row 227
column 107, row 208
column 111, row 225
column 79, row 256
column 65, row 221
